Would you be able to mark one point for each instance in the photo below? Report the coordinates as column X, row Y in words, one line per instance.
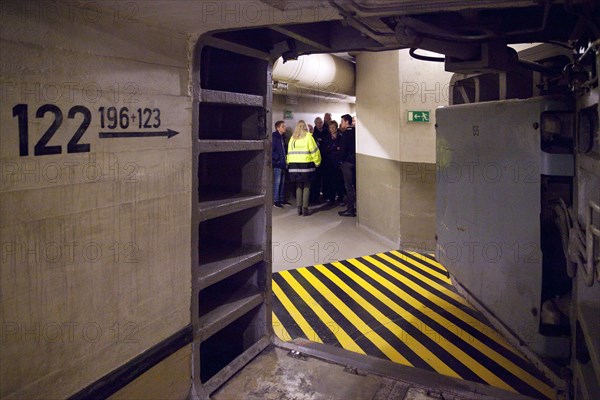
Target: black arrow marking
column 169, row 133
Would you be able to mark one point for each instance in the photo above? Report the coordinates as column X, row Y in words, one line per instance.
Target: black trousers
column 349, row 173
column 315, row 186
column 333, row 183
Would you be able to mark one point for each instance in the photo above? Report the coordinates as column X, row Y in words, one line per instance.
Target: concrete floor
column 320, row 238
column 321, row 372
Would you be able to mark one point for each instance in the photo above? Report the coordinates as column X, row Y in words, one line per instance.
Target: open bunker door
column 497, row 179
column 231, row 233
column 235, row 353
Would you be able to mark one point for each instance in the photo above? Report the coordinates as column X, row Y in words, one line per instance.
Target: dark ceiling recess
column 471, row 36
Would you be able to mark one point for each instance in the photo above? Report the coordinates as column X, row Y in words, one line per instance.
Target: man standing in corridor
column 279, row 165
column 320, row 132
column 348, row 166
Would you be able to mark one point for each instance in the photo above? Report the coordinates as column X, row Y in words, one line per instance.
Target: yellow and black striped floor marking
column 400, row 306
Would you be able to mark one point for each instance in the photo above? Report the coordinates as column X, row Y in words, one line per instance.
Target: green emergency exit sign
column 418, row 116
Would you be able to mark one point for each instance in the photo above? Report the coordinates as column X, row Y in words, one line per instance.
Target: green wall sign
column 418, row 116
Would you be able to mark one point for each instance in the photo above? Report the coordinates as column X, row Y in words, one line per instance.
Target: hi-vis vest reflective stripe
column 302, row 167
column 302, row 153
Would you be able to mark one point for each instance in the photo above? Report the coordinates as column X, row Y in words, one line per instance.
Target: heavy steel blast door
column 492, row 183
column 231, row 234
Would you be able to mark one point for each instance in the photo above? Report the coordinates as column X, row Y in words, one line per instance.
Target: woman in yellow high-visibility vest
column 303, row 158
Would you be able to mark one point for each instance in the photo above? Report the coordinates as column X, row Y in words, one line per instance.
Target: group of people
column 319, row 159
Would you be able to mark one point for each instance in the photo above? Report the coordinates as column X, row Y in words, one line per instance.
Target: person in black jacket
column 348, row 165
column 331, row 150
column 320, row 132
column 279, row 165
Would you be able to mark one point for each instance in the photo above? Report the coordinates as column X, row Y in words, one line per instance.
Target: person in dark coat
column 331, row 151
column 348, row 165
column 320, row 132
column 279, row 165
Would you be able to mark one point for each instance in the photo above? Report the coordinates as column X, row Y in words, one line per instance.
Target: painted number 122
column 42, row 148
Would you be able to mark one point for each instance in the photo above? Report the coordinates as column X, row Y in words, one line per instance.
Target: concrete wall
column 95, row 261
column 396, row 158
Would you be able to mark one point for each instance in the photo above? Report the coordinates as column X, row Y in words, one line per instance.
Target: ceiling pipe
column 318, row 72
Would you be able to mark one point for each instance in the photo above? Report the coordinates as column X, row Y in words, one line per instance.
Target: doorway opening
column 234, row 193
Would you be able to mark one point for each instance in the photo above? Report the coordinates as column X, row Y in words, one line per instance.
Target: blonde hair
column 300, row 130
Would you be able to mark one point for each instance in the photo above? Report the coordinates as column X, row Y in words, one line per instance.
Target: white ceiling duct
column 322, row 72
column 292, row 92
